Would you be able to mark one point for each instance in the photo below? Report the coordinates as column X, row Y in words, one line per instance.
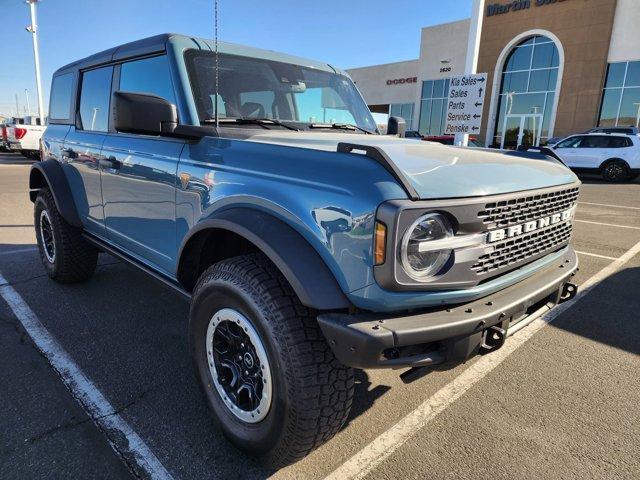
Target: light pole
column 33, row 29
column 26, row 94
column 638, row 115
column 473, row 50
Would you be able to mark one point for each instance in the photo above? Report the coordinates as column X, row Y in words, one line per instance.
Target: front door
column 521, row 130
column 139, row 175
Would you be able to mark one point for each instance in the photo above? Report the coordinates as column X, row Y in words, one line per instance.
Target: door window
column 150, row 75
column 595, row 142
column 94, row 99
column 573, row 142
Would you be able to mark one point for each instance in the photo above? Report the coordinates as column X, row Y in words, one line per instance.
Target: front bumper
column 444, row 334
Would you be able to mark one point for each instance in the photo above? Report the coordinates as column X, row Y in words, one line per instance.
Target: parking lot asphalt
column 563, row 405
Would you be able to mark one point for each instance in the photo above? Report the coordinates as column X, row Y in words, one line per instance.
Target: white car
column 615, row 156
column 25, row 138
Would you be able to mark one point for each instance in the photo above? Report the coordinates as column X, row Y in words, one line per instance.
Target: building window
column 433, row 106
column 621, row 96
column 404, row 110
column 527, row 92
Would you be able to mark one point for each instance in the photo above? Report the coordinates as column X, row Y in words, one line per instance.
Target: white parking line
column 596, row 255
column 376, row 452
column 94, row 402
column 608, row 205
column 607, row 224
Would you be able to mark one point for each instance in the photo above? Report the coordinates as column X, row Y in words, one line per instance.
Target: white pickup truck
column 25, row 137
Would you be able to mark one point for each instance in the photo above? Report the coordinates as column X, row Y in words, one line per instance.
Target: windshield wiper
column 263, row 122
column 340, row 126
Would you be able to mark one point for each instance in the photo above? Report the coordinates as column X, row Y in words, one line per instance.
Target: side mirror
column 396, row 126
column 143, row 113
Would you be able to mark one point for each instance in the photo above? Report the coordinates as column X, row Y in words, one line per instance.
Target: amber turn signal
column 379, row 244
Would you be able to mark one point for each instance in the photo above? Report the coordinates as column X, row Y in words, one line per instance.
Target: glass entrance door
column 521, row 130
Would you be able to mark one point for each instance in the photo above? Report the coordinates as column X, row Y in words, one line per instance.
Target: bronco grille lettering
column 514, row 231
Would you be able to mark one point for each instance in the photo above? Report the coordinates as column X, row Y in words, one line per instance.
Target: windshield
column 256, row 88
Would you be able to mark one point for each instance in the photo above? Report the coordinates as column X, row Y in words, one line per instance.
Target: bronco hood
column 440, row 171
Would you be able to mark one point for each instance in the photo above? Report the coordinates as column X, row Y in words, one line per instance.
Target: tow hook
column 494, row 338
column 569, row 290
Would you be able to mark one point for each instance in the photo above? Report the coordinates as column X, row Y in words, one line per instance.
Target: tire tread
column 322, row 388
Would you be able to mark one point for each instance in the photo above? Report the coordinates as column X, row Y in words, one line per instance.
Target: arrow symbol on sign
column 477, row 116
column 478, row 104
column 481, row 80
column 480, row 92
column 475, row 129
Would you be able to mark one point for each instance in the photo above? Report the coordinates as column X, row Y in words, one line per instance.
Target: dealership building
column 555, row 67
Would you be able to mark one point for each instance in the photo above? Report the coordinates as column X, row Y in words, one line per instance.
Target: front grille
column 515, row 250
column 514, row 211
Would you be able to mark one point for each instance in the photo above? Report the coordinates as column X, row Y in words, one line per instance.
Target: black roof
column 144, row 46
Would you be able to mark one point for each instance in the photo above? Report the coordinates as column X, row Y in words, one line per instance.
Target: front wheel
column 616, row 171
column 267, row 373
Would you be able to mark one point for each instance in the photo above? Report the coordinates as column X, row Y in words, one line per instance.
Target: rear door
column 82, row 145
column 139, row 174
column 61, row 114
column 593, row 151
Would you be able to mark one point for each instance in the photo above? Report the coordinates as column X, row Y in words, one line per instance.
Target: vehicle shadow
column 594, row 179
column 15, row 159
column 609, row 314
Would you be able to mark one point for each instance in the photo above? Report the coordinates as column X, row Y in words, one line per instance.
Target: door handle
column 110, row 163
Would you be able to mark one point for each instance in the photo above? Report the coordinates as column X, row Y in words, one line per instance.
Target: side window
column 150, row 75
column 596, row 142
column 61, row 93
column 619, row 142
column 95, row 94
column 573, row 142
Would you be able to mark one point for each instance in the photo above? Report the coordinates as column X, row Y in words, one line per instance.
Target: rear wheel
column 616, row 171
column 268, row 375
column 66, row 256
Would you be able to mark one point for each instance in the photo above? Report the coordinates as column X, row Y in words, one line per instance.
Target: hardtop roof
column 159, row 43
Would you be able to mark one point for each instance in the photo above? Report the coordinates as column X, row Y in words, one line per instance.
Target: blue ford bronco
column 258, row 186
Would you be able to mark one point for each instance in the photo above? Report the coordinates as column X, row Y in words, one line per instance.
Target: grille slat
column 515, row 211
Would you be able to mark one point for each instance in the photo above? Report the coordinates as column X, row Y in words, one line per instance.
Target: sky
column 344, row 33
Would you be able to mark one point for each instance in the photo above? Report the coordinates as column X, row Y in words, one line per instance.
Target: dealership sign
column 465, row 103
column 501, row 8
column 402, row 81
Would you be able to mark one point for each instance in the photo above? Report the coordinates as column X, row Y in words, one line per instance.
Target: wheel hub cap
column 46, row 236
column 238, row 365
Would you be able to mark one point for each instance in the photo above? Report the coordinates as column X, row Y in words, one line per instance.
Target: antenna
column 215, row 39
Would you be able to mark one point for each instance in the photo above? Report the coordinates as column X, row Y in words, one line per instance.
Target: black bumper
column 444, row 334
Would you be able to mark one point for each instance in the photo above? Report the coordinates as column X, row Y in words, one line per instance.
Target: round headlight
column 420, row 262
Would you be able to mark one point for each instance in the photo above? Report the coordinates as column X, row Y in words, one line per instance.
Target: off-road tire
column 312, row 391
column 615, row 171
column 74, row 259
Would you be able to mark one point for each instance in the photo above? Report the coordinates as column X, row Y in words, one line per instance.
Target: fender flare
column 49, row 174
column 297, row 260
